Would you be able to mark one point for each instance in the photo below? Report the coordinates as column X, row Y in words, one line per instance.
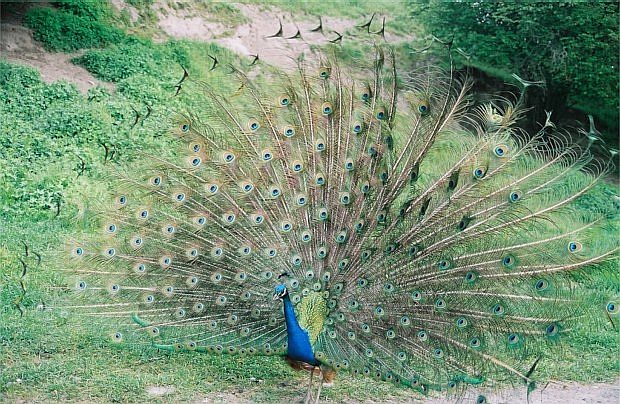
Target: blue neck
column 299, row 347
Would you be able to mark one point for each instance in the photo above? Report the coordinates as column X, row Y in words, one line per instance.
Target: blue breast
column 299, row 347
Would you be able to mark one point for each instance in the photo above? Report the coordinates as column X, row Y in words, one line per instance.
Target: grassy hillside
column 57, row 147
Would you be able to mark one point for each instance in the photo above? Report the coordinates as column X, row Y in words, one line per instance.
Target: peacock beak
column 276, row 296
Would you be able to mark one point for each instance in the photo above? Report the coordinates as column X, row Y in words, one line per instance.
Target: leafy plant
column 572, row 46
column 63, row 31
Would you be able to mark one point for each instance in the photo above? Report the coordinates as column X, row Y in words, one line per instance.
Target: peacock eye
column 440, row 304
column 228, row 157
column 612, row 308
column 551, row 330
column 574, row 247
column 508, row 261
column 470, row 277
column 479, row 173
column 327, row 108
column 213, row 188
column 443, row 264
column 381, row 114
column 289, row 132
column 196, row 161
column 513, row 339
column 365, row 96
column 515, row 196
column 185, row 127
column 461, row 322
column 286, row 226
column 284, row 100
column 275, row 192
column 253, row 125
column 424, row 108
column 500, row 150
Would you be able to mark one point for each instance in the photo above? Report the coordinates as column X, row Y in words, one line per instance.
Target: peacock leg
column 309, row 392
column 318, row 393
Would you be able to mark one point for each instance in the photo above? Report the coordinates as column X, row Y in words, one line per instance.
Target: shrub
column 135, row 57
column 63, row 31
column 93, row 10
column 572, row 46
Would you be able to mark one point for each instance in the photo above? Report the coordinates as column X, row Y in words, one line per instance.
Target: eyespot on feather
column 227, row 156
column 501, row 150
column 327, row 108
column 288, row 131
column 284, row 100
column 574, row 247
column 253, row 125
column 424, row 108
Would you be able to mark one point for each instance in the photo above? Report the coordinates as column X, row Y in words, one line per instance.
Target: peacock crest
column 424, row 239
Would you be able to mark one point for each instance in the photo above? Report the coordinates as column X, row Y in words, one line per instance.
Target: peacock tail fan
column 426, row 240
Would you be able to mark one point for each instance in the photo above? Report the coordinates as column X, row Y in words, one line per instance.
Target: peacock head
column 279, row 292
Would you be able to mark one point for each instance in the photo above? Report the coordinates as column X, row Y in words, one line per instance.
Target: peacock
column 352, row 220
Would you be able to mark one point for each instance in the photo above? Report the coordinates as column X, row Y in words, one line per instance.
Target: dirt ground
column 565, row 393
column 17, row 45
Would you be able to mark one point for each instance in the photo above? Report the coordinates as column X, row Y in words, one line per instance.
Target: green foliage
column 140, row 3
column 118, row 62
column 93, row 10
column 64, row 31
column 50, row 133
column 572, row 46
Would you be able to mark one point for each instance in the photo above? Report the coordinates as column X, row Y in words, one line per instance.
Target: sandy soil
column 568, row 393
column 252, row 38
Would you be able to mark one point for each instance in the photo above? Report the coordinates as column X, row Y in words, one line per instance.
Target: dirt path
column 566, row 393
column 251, row 38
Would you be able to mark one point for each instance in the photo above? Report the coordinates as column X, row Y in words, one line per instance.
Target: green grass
column 50, row 356
column 47, row 131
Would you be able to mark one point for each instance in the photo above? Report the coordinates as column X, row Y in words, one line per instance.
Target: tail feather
column 442, row 238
